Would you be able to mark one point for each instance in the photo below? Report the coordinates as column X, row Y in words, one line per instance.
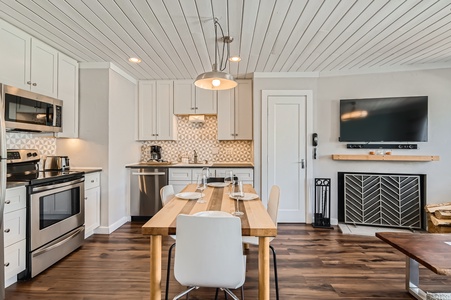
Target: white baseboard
column 109, row 229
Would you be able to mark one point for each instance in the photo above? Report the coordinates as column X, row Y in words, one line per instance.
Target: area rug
column 367, row 230
column 438, row 296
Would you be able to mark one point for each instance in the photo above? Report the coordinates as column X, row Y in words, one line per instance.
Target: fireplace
column 387, row 200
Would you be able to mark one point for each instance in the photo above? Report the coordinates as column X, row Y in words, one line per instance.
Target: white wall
column 123, row 149
column 327, row 91
column 107, row 128
column 436, row 84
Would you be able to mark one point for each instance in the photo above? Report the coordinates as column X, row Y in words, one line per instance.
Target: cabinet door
column 166, row 122
column 44, row 68
column 68, row 92
column 147, row 93
column 226, row 114
column 184, row 97
column 14, row 260
column 243, row 110
column 14, row 56
column 92, row 210
column 205, row 101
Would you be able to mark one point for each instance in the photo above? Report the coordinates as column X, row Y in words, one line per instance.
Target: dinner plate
column 217, row 184
column 247, row 196
column 189, row 195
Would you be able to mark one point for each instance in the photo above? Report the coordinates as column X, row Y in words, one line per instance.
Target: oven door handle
column 148, row 173
column 54, row 186
column 56, row 245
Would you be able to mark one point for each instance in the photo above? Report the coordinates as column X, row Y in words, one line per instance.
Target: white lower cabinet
column 14, row 226
column 180, row 177
column 92, row 203
column 244, row 174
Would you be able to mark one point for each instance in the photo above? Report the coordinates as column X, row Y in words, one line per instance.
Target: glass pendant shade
column 215, row 80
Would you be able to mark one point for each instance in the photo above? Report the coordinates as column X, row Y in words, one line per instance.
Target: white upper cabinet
column 26, row 62
column 235, row 112
column 15, row 50
column 68, row 92
column 189, row 99
column 44, row 69
column 155, row 106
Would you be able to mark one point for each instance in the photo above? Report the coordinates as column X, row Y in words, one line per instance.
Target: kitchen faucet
column 195, row 157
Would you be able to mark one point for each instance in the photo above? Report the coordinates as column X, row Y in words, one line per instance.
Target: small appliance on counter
column 56, row 163
column 155, row 152
column 155, row 157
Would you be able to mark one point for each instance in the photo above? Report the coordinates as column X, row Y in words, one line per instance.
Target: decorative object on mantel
column 217, row 79
column 389, row 157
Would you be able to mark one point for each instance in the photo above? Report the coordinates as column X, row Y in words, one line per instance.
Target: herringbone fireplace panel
column 384, row 200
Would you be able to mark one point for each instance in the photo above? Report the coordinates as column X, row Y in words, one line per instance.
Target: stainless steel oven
column 56, row 222
column 55, row 210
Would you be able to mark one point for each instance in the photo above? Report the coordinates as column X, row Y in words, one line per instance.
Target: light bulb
column 216, row 82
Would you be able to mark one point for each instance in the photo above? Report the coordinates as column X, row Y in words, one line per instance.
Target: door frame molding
column 308, row 147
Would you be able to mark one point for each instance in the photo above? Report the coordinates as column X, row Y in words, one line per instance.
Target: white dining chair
column 166, row 194
column 209, row 252
column 273, row 209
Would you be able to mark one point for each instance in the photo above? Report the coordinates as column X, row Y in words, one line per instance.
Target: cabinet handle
column 196, row 107
column 7, row 230
column 7, row 264
column 35, row 84
column 92, row 181
column 156, row 134
column 29, row 82
column 86, row 198
column 193, row 108
column 7, row 201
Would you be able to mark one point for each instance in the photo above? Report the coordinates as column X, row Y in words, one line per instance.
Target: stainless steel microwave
column 31, row 112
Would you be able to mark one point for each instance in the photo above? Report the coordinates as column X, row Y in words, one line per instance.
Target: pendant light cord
column 224, row 59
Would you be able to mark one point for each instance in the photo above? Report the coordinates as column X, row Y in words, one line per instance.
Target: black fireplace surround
column 420, row 194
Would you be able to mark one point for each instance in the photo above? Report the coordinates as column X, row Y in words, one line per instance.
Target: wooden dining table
column 255, row 222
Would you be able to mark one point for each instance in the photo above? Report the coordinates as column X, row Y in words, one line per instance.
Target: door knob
column 302, row 163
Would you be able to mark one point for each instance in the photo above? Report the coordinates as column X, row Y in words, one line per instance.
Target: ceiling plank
column 107, row 23
column 250, row 10
column 434, row 22
column 263, row 17
column 277, row 18
column 306, row 17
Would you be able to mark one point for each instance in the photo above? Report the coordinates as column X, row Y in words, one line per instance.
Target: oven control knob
column 35, row 154
column 28, row 154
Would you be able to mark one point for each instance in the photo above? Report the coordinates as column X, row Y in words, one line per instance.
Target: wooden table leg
column 263, row 268
column 155, row 267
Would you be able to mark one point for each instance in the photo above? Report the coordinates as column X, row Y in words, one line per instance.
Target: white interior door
column 284, row 144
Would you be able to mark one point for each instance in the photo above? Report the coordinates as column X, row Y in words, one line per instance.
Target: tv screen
column 394, row 119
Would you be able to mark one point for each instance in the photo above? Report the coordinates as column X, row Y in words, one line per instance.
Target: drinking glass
column 237, row 193
column 228, row 179
column 201, row 186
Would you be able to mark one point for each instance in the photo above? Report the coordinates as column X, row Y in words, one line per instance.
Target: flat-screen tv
column 393, row 119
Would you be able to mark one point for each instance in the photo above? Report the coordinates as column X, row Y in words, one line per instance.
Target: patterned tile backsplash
column 201, row 137
column 45, row 145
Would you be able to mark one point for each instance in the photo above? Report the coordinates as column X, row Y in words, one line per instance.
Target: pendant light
column 217, row 79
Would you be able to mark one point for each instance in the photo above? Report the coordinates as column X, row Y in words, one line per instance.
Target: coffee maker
column 155, row 152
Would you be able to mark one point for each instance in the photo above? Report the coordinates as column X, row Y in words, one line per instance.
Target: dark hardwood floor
column 312, row 264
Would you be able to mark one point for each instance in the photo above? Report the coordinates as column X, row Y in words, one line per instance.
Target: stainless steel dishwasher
column 145, row 185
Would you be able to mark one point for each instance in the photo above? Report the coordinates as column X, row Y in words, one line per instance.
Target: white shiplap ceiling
column 175, row 38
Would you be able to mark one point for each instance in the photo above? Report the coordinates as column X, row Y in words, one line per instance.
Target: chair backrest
column 209, row 250
column 166, row 194
column 273, row 203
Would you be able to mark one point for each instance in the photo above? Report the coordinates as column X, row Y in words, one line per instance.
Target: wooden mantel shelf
column 385, row 157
